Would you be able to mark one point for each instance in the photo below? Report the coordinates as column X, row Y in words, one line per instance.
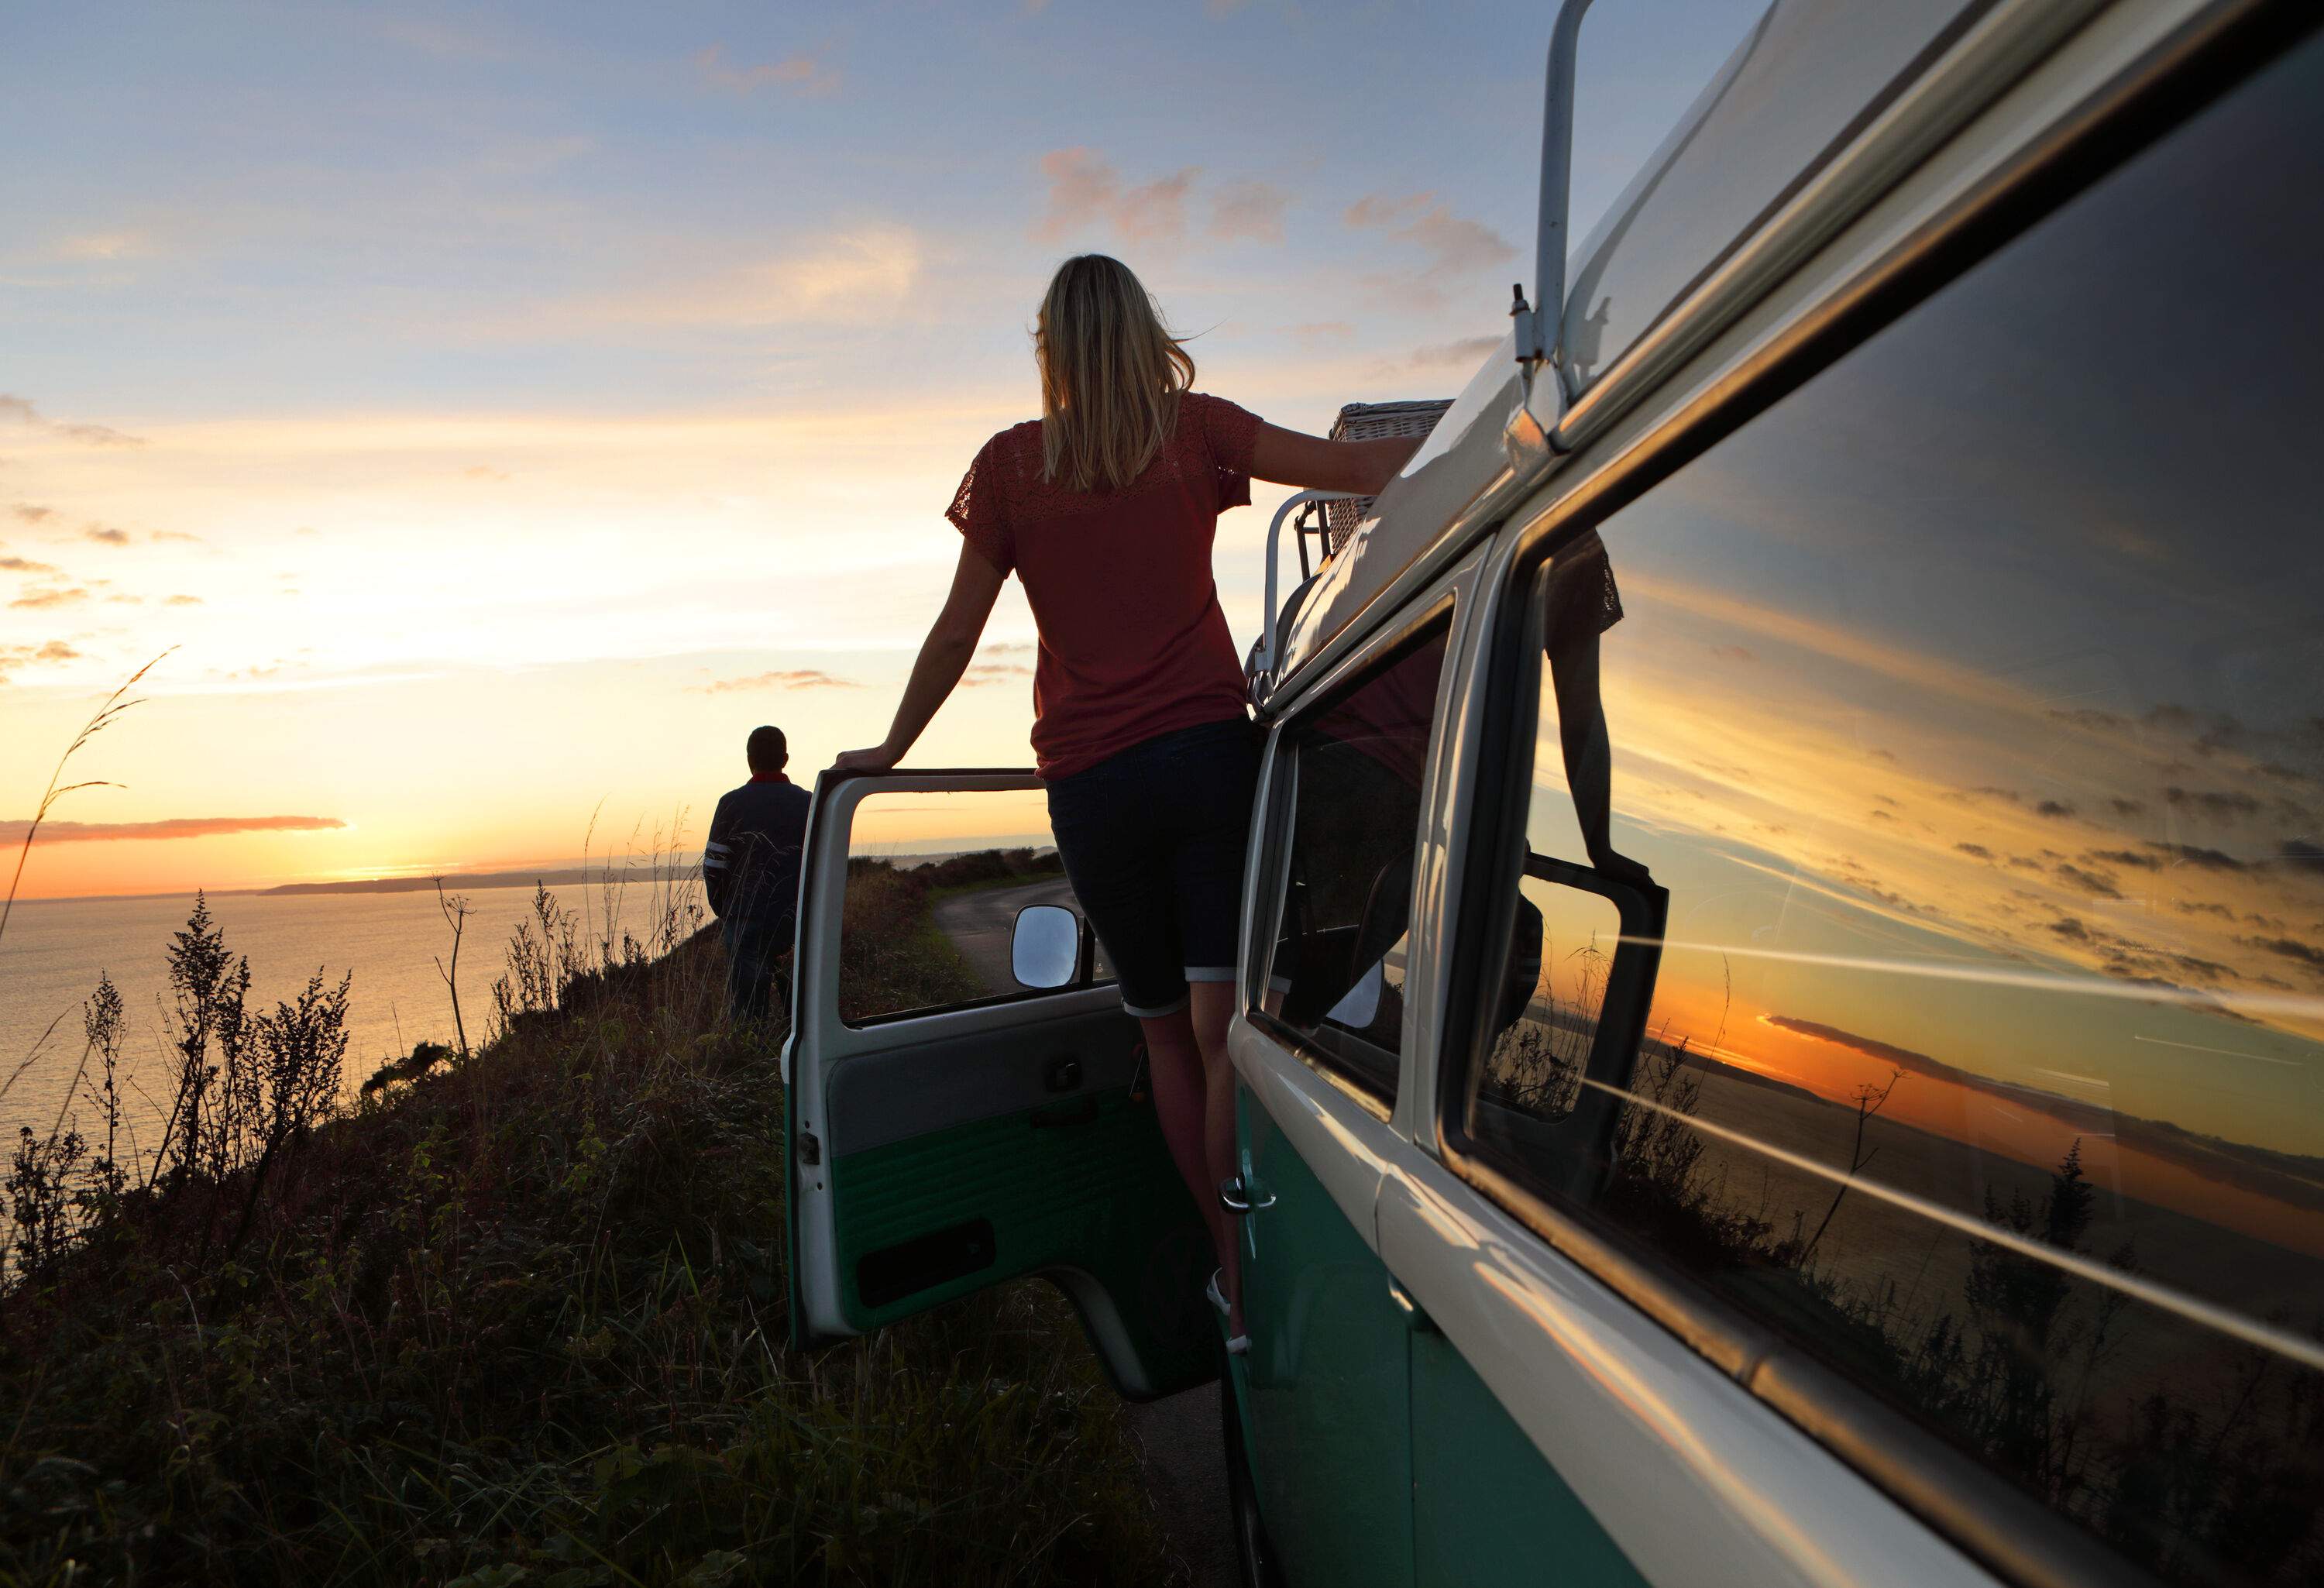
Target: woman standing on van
column 1106, row 507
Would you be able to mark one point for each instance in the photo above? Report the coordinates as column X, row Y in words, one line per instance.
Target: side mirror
column 1046, row 949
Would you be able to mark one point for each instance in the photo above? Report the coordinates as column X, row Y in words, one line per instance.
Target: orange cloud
column 56, row 596
column 187, row 827
column 806, row 677
column 992, row 672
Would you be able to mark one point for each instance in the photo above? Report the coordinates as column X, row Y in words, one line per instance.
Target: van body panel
column 1342, row 1144
column 1486, row 1506
column 1794, row 89
column 1691, row 1479
column 1421, row 520
column 1325, row 1381
column 1436, row 882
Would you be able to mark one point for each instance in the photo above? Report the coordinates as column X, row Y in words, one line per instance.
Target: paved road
column 1179, row 1444
column 980, row 923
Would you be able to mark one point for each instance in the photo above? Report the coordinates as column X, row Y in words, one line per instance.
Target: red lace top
column 1133, row 643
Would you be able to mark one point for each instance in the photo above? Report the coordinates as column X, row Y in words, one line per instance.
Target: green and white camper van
column 1883, row 1144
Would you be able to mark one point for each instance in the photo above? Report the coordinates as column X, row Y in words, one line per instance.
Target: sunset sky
column 501, row 412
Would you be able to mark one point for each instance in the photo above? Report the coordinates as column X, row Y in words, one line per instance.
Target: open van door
column 965, row 1100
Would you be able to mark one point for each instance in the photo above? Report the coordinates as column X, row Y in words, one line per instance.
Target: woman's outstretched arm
column 944, row 656
column 1361, row 468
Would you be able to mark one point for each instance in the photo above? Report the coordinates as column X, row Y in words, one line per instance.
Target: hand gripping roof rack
column 1539, row 326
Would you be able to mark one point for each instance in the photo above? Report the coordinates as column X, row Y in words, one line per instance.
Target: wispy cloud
column 24, row 565
column 14, row 657
column 106, row 535
column 33, row 513
column 840, row 278
column 992, row 672
column 55, row 595
column 177, row 535
column 123, row 245
column 806, row 677
column 1251, row 209
column 22, row 410
column 1450, row 246
column 801, row 74
column 1085, row 190
column 1460, row 354
column 191, row 826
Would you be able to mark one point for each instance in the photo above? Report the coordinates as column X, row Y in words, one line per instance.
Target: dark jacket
column 751, row 862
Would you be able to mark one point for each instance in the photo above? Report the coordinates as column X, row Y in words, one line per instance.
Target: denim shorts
column 1153, row 840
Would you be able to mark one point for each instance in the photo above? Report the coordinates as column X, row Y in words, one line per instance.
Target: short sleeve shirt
column 1133, row 643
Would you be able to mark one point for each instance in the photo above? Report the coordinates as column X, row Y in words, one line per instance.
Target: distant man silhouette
column 750, row 869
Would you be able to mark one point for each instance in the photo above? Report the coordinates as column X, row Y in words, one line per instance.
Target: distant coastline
column 570, row 877
column 564, row 875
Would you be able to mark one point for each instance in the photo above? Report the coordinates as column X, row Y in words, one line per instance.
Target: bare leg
column 1589, row 758
column 1213, row 1006
column 1175, row 1062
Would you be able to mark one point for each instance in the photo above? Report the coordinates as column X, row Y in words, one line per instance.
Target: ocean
column 53, row 950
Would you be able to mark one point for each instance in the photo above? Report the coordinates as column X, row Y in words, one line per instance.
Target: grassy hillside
column 521, row 1319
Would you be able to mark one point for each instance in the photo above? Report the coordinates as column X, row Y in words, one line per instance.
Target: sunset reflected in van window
column 1974, row 733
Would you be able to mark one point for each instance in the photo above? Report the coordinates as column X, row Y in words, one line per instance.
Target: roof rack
column 1266, row 651
column 1541, row 324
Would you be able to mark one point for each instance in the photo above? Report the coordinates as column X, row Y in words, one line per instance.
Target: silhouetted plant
column 297, row 1062
column 102, row 1024
column 456, row 915
column 42, row 1174
column 207, row 985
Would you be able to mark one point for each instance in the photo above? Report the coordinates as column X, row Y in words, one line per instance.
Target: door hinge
column 810, row 1150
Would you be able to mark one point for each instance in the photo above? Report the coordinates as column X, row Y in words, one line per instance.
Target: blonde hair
column 1111, row 375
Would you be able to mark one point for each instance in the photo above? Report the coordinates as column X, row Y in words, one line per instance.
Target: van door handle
column 1239, row 1196
column 1416, row 1317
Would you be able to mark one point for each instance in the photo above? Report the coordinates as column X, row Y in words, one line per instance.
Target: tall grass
column 514, row 1315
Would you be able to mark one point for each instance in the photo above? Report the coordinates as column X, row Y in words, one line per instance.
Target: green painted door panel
column 1487, row 1508
column 1083, row 1184
column 1326, row 1381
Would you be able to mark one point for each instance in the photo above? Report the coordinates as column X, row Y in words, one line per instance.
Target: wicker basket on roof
column 1371, row 421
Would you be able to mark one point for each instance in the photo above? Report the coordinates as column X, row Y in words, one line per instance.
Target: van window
column 1349, row 784
column 935, row 881
column 1970, row 706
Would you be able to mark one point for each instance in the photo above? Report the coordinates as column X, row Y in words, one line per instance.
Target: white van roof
column 1807, row 78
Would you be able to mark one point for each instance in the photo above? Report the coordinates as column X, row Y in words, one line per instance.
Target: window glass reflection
column 1356, row 768
column 934, row 885
column 1969, row 704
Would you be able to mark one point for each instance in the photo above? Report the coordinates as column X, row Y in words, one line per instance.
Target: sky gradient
column 502, row 413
